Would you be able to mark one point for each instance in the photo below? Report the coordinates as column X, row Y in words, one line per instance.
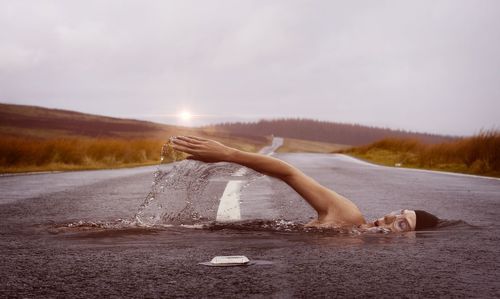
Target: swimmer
column 334, row 210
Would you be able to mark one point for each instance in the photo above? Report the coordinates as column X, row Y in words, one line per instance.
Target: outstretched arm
column 327, row 203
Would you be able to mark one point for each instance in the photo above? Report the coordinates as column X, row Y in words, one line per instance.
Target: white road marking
column 229, row 203
column 229, row 206
column 418, row 170
column 352, row 159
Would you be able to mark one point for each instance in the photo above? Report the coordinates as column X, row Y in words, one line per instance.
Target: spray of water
column 179, row 190
column 179, row 194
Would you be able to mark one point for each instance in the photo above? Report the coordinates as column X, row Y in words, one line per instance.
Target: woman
column 334, row 210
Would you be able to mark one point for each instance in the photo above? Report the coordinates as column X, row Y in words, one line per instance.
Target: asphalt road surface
column 45, row 253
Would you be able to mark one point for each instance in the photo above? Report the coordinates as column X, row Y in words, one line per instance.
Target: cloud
column 405, row 64
column 17, row 58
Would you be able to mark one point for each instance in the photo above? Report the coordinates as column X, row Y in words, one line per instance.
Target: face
column 398, row 221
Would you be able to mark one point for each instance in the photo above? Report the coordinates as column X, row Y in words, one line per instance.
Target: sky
column 424, row 65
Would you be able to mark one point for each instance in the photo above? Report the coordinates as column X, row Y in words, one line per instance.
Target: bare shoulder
column 342, row 211
column 332, row 208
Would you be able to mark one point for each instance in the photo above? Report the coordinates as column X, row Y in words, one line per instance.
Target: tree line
column 315, row 130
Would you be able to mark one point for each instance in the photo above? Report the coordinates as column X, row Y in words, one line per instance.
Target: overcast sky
column 431, row 66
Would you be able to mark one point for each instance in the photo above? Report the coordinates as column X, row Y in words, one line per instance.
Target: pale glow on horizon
column 185, row 115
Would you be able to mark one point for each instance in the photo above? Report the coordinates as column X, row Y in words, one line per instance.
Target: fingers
column 185, row 142
column 184, row 149
column 187, row 139
column 197, row 138
column 184, row 146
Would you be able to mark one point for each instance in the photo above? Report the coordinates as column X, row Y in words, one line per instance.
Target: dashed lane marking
column 229, row 203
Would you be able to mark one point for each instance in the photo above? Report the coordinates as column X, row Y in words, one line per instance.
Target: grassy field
column 479, row 154
column 21, row 154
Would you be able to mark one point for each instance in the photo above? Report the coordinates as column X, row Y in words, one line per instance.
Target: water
column 186, row 180
column 177, row 195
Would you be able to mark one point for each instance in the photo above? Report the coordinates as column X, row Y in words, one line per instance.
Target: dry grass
column 291, row 145
column 479, row 154
column 21, row 154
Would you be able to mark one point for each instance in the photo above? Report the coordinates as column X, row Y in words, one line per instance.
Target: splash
column 122, row 227
column 179, row 195
column 179, row 190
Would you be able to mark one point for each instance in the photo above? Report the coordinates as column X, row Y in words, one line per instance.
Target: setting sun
column 185, row 115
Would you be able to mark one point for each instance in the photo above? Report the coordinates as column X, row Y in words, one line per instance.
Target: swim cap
column 425, row 220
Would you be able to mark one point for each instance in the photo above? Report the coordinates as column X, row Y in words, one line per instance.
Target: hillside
column 42, row 139
column 39, row 122
column 45, row 123
column 307, row 129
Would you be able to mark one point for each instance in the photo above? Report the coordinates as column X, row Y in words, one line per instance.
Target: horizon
column 177, row 121
column 403, row 65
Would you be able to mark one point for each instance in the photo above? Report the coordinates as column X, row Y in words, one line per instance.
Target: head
column 407, row 220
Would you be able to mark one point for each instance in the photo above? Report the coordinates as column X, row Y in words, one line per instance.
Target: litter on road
column 233, row 260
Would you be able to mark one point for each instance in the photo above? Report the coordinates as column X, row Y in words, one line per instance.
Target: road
column 45, row 253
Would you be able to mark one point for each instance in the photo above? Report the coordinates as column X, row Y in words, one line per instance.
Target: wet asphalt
column 459, row 260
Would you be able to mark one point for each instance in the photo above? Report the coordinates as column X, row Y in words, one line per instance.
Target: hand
column 205, row 150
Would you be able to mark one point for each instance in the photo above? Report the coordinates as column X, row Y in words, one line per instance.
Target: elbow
column 278, row 169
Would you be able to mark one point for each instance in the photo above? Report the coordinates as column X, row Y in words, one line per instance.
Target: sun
column 185, row 115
